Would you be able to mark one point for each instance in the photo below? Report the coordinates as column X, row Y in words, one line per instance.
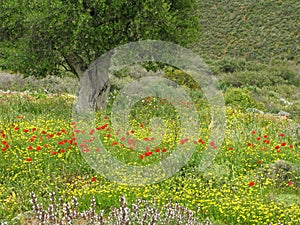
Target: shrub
column 240, row 98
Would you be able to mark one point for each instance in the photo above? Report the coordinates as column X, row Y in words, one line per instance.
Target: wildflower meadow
column 254, row 179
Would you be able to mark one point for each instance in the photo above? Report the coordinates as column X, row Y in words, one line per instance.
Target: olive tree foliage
column 48, row 37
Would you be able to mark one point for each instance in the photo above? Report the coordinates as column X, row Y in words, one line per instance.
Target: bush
column 240, row 98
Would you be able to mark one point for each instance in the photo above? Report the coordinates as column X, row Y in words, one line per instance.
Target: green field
column 253, row 180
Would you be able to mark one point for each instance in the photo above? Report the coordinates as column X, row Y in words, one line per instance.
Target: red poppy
column 251, row 183
column 283, row 144
column 253, row 132
column 259, row 162
column 132, row 131
column 147, row 148
column 265, row 136
column 141, row 156
column 157, row 150
column 164, row 150
column 263, row 149
column 38, row 148
column 249, row 144
column 122, row 138
column 212, row 143
column 281, row 135
column 33, row 129
column 54, row 153
column 28, row 159
column 277, row 147
column 290, row 183
column 141, row 125
column 258, row 138
column 93, row 179
column 291, row 146
column 26, row 131
column 16, row 128
column 62, row 151
column 30, row 147
column 114, row 143
column 148, row 153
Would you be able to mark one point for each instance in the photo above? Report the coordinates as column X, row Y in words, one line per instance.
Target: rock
column 256, row 111
column 283, row 113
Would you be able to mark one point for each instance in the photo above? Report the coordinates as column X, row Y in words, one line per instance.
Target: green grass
column 222, row 192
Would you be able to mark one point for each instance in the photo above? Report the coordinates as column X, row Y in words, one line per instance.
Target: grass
column 244, row 185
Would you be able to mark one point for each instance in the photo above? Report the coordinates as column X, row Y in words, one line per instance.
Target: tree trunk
column 94, row 85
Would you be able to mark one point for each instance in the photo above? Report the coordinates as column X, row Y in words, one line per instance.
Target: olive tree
column 48, row 37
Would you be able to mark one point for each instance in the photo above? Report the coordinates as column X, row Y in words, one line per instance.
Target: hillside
column 255, row 30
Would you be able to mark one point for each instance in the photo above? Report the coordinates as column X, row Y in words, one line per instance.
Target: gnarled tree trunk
column 94, row 85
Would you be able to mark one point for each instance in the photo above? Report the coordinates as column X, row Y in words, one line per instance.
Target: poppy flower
column 251, row 183
column 141, row 156
column 28, row 159
column 148, row 153
column 281, row 135
column 283, row 144
column 290, row 183
column 114, row 143
column 93, row 179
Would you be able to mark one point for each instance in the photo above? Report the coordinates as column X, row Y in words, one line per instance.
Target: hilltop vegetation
column 255, row 30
